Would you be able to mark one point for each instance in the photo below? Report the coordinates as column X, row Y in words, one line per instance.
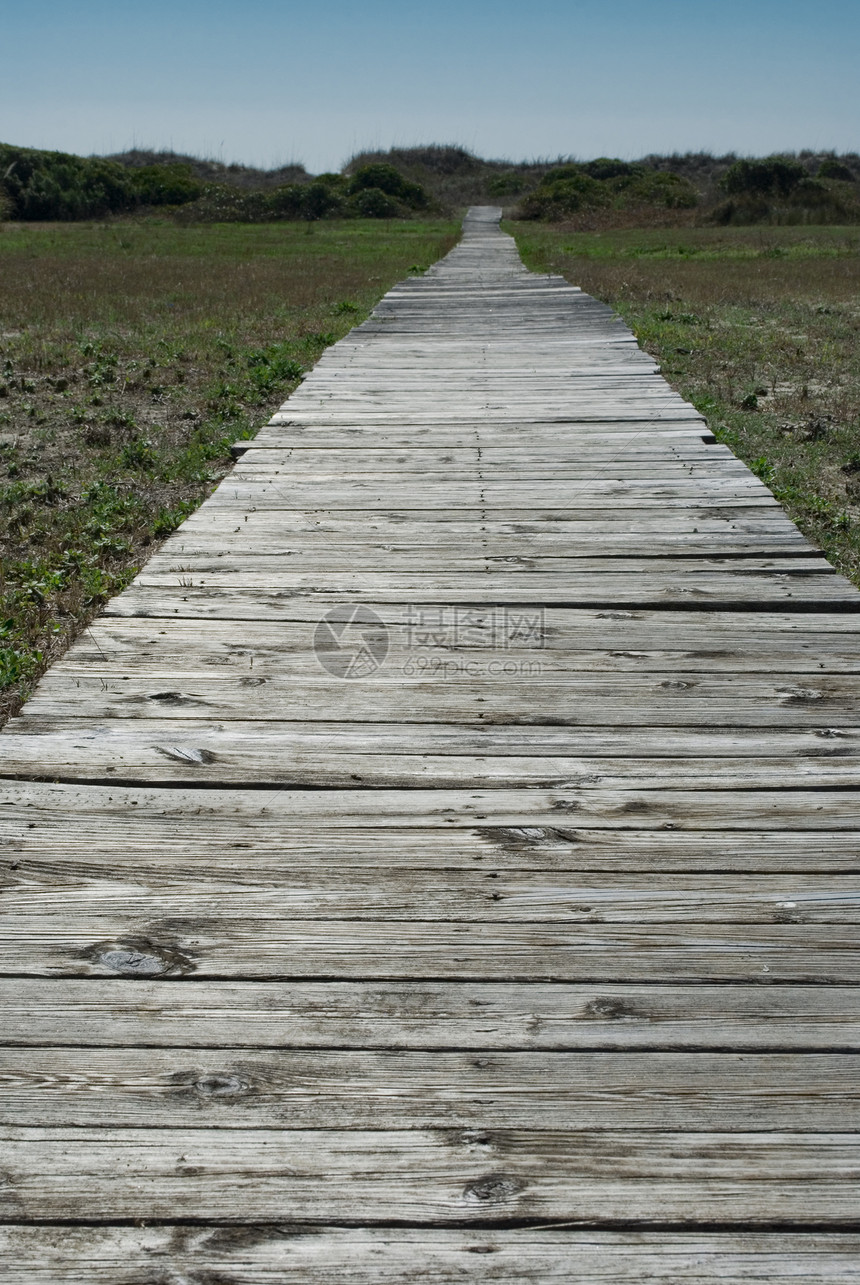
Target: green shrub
column 54, row 185
column 606, row 167
column 328, row 196
column 508, row 184
column 222, row 204
column 322, row 198
column 287, row 202
column 564, row 191
column 165, row 184
column 834, row 169
column 779, row 190
column 606, row 182
column 773, row 176
column 373, row 203
column 334, row 196
column 661, row 188
column 386, row 179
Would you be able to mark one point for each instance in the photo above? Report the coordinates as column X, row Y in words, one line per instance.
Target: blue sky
column 270, row 81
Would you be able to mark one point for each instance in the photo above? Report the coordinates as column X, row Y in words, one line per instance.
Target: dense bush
column 564, row 191
column 806, row 187
column 223, row 204
column 374, row 203
column 773, row 176
column 605, row 182
column 373, row 192
column 831, row 168
column 660, row 188
column 210, row 172
column 52, row 185
column 385, row 178
column 323, row 198
column 606, row 167
column 778, row 189
column 165, row 184
column 510, row 183
column 55, row 185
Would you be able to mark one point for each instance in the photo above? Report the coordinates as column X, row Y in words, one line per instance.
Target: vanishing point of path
column 441, row 863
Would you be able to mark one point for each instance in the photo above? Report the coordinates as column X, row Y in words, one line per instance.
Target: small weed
column 121, row 419
column 319, row 338
column 763, row 469
column 137, row 455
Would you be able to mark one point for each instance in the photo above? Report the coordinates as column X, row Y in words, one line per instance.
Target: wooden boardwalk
column 441, row 864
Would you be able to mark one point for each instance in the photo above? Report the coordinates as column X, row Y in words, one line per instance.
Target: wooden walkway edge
column 442, row 862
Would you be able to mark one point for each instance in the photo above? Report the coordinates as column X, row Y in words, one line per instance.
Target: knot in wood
column 493, row 1189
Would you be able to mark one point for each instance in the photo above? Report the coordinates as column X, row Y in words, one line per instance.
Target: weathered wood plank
column 412, row 468
column 826, row 589
column 380, row 809
column 84, row 943
column 422, row 1176
column 627, row 437
column 125, row 737
column 578, row 549
column 513, row 1016
column 181, row 594
column 252, row 754
column 245, row 1088
column 706, row 634
column 480, row 642
column 403, row 893
column 39, row 840
column 371, row 560
column 240, row 493
column 295, row 1254
column 451, row 693
column 175, row 757
column 658, row 415
column 280, row 448
column 469, row 523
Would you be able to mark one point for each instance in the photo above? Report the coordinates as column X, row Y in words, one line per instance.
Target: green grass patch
column 132, row 354
column 759, row 329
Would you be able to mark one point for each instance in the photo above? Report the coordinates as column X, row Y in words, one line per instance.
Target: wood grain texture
column 83, row 943
column 224, row 1015
column 47, row 838
column 271, row 809
column 244, row 1088
column 193, row 760
column 403, row 892
column 431, row 1176
column 293, row 1254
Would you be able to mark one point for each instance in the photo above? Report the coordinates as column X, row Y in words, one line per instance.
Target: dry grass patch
column 131, row 355
column 759, row 329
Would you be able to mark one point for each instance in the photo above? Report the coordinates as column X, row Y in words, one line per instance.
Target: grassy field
column 758, row 327
column 131, row 355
